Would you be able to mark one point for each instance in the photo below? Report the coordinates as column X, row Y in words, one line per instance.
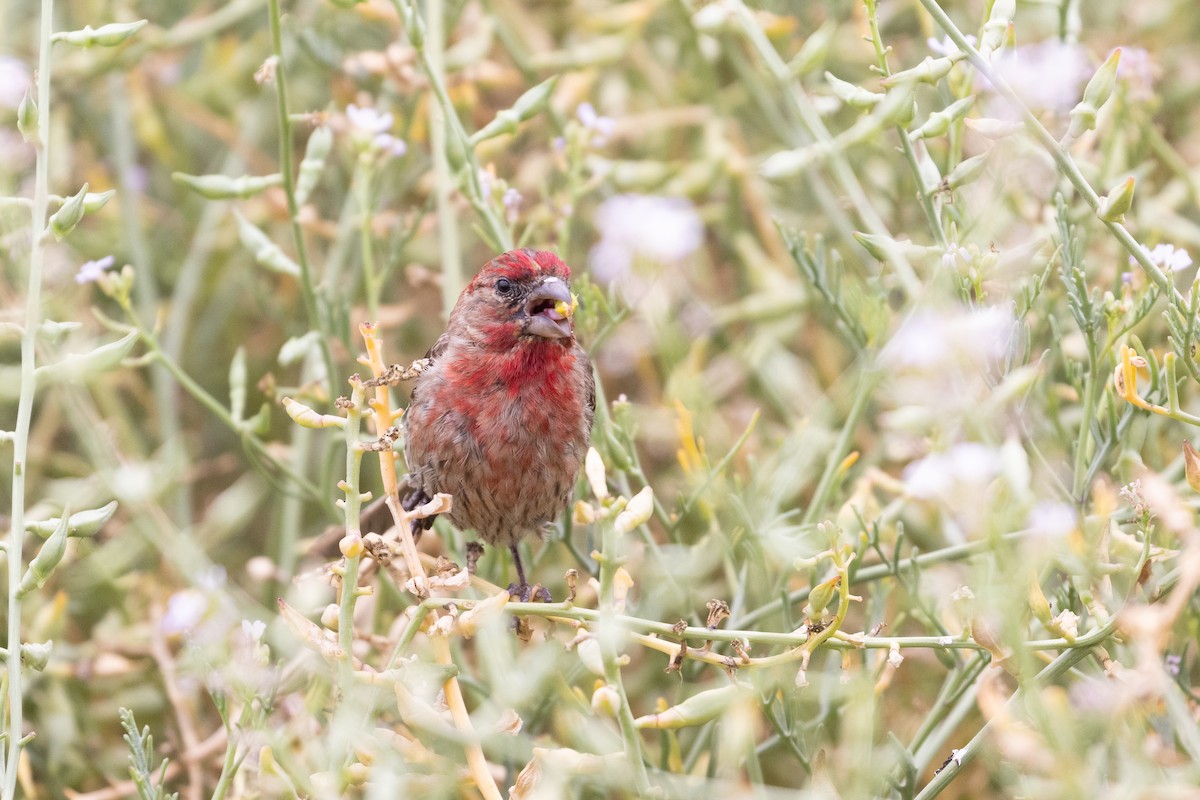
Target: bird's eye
column 504, row 286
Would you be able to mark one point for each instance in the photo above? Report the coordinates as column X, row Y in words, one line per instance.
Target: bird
column 501, row 417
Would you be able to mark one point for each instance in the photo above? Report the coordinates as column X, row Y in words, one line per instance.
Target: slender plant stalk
column 926, row 197
column 612, row 671
column 33, row 318
column 361, row 183
column 165, row 397
column 493, row 226
column 815, row 127
column 452, row 280
column 315, row 319
column 841, row 448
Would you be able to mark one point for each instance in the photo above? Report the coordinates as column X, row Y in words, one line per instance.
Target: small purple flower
column 1139, row 72
column 386, row 143
column 601, row 127
column 512, row 202
column 1174, row 664
column 91, row 271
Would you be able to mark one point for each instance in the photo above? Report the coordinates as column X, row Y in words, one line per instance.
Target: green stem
column 452, row 282
column 612, row 670
column 965, row 754
column 696, row 634
column 33, row 317
column 931, row 214
column 841, row 447
column 947, row 706
column 165, row 397
column 876, row 572
column 810, row 119
column 189, row 385
column 362, row 197
column 352, row 508
column 1085, row 429
column 291, row 515
column 494, row 227
column 307, row 289
column 349, row 707
column 229, row 767
column 1078, row 650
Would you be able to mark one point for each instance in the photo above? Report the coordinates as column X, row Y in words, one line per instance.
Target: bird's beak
column 549, row 308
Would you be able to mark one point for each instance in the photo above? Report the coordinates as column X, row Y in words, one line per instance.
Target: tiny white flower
column 389, row 145
column 894, row 657
column 1047, row 75
column 965, row 467
column 955, row 253
column 91, row 271
column 368, row 120
column 929, row 477
column 1170, row 257
column 253, row 630
column 1052, row 519
column 185, row 609
column 212, row 578
column 931, row 340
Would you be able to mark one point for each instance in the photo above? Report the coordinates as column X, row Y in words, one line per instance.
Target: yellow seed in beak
column 565, row 309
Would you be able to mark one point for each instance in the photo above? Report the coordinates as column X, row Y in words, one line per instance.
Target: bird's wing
column 439, row 346
column 589, row 382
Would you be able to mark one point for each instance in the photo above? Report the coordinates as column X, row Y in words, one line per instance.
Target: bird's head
column 519, row 296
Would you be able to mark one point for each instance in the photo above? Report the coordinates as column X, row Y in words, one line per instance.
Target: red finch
column 501, row 418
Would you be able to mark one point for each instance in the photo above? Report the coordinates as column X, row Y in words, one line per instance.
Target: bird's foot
column 474, row 553
column 524, row 593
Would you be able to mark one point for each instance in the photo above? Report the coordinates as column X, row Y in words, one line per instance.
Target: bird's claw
column 474, row 553
column 524, row 593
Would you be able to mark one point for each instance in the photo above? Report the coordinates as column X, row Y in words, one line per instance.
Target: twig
column 383, row 417
column 187, row 730
column 33, row 315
